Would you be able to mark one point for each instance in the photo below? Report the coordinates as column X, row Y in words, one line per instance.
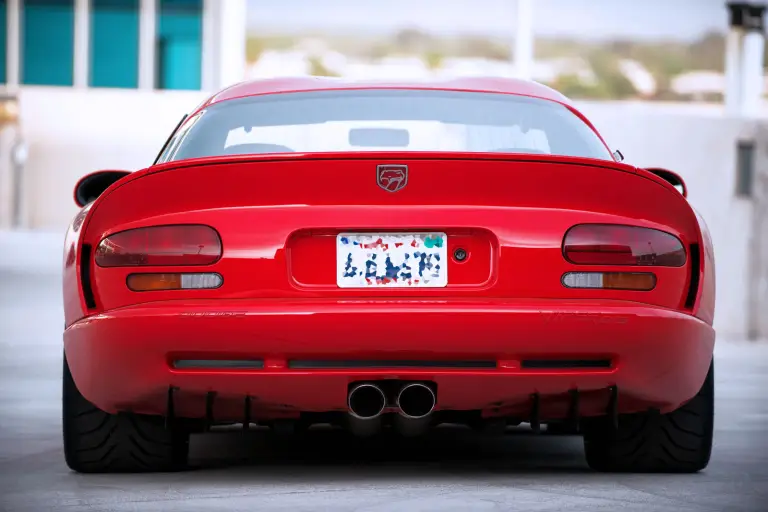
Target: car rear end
column 235, row 280
column 417, row 286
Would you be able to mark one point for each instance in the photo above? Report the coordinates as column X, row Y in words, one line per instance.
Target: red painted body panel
column 121, row 359
column 278, row 215
column 264, row 223
column 705, row 301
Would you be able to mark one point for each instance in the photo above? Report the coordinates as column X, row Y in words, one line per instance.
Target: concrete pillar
column 733, row 71
column 147, row 43
column 752, row 72
column 82, row 43
column 744, row 58
column 231, row 24
column 210, row 67
column 524, row 40
column 13, row 44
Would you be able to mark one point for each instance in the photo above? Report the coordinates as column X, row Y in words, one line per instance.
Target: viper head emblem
column 392, row 177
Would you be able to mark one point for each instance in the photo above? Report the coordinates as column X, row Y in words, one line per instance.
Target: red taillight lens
column 607, row 244
column 160, row 246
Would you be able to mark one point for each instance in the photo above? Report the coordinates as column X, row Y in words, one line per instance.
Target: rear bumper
column 124, row 359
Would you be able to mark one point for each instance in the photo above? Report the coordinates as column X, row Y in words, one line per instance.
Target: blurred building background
column 91, row 84
column 99, row 84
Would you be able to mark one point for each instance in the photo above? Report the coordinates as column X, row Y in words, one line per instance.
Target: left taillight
column 159, row 246
column 614, row 244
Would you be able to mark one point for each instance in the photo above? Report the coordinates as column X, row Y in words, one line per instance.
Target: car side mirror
column 670, row 177
column 93, row 185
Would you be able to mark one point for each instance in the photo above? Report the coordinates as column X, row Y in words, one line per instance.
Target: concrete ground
column 453, row 469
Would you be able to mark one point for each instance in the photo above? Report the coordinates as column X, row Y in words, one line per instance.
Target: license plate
column 394, row 260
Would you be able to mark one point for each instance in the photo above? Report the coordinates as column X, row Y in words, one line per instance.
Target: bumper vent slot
column 307, row 364
column 218, row 364
column 563, row 364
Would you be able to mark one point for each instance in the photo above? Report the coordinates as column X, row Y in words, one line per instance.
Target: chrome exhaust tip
column 416, row 401
column 366, row 401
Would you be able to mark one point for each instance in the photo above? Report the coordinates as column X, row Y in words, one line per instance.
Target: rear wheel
column 677, row 442
column 99, row 442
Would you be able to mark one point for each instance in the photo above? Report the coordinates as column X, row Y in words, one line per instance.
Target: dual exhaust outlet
column 415, row 402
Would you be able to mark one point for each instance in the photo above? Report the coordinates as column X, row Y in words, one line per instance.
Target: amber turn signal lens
column 154, row 282
column 639, row 281
column 629, row 281
column 150, row 282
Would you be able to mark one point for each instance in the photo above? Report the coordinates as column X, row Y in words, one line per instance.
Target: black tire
column 677, row 442
column 99, row 442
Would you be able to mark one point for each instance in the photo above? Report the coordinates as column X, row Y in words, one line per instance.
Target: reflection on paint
column 402, row 260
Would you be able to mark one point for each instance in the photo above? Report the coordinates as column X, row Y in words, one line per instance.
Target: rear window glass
column 385, row 120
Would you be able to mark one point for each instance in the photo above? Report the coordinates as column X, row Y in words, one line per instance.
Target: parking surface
column 452, row 469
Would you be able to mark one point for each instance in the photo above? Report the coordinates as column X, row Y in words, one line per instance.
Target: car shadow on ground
column 325, row 451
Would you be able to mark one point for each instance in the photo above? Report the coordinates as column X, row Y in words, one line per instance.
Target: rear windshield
column 385, row 120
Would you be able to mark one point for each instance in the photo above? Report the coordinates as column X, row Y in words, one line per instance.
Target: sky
column 586, row 19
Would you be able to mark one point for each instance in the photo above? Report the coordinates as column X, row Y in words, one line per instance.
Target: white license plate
column 394, row 260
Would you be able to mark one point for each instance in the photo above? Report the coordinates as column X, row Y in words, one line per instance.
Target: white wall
column 701, row 147
column 71, row 133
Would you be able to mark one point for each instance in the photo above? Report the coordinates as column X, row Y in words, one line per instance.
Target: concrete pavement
column 453, row 469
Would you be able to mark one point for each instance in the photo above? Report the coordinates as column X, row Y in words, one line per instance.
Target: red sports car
column 387, row 256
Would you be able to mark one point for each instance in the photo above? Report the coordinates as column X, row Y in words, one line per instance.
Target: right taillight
column 613, row 244
column 182, row 245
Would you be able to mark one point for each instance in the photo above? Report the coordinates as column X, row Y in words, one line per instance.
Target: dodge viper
column 387, row 256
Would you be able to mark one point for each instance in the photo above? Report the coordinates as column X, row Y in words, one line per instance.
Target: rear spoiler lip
column 653, row 174
column 391, row 157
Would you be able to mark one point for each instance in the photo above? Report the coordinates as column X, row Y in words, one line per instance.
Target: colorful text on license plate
column 366, row 260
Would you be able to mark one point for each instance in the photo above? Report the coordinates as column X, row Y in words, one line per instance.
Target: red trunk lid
column 278, row 218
